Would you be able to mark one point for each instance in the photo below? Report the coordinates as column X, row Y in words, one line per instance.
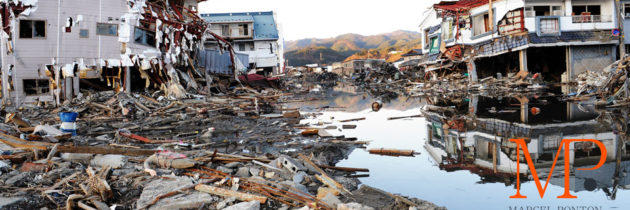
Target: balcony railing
column 592, row 18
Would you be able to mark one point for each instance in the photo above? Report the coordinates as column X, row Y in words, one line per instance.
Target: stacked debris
column 144, row 151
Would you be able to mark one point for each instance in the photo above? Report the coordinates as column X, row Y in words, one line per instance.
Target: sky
column 301, row 19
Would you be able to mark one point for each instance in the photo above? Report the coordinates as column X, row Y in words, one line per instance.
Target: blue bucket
column 68, row 122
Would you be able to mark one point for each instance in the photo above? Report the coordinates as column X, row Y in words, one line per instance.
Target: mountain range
column 351, row 46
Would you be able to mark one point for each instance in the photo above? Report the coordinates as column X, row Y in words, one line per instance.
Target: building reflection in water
column 473, row 134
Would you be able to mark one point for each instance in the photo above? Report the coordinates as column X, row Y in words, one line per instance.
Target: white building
column 49, row 49
column 254, row 33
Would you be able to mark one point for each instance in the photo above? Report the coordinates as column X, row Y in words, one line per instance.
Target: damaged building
column 558, row 39
column 53, row 49
column 253, row 33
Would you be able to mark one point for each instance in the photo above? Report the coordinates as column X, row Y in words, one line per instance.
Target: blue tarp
column 215, row 62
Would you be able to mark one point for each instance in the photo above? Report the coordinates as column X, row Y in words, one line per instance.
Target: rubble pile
column 110, row 150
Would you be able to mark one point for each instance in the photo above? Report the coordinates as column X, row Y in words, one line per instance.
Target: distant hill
column 311, row 55
column 340, row 48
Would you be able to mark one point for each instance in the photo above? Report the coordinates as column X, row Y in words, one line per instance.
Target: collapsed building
column 558, row 39
column 52, row 49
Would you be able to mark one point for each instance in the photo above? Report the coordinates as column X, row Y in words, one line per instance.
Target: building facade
column 557, row 38
column 254, row 33
column 49, row 47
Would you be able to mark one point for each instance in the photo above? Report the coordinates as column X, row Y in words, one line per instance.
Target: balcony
column 592, row 19
column 554, row 25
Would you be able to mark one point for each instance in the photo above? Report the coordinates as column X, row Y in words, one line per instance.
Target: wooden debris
column 404, row 117
column 310, row 132
column 230, row 193
column 351, row 120
column 348, row 169
column 106, row 150
column 21, row 143
column 324, row 178
column 392, row 152
column 98, row 185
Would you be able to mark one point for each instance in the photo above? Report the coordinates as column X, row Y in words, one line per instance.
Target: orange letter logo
column 566, row 142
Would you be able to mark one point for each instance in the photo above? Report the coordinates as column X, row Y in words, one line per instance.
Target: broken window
column 106, row 29
column 225, row 30
column 243, row 29
column 512, row 22
column 84, row 33
column 544, row 11
column 426, row 39
column 241, row 47
column 144, row 37
column 32, row 29
column 626, row 10
column 447, row 29
column 481, row 24
column 36, row 86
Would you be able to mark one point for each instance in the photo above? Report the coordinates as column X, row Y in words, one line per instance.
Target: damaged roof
column 265, row 27
column 461, row 5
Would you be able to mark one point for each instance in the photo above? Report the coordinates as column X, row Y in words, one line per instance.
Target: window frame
column 145, row 32
column 227, row 32
column 493, row 21
column 87, row 36
column 38, row 88
column 586, row 8
column 113, row 24
column 33, row 29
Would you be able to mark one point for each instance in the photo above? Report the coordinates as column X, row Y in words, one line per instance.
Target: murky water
column 456, row 178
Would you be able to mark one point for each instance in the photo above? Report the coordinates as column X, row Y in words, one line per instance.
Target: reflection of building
column 474, row 135
column 254, row 33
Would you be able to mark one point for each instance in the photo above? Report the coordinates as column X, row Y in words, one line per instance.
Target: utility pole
column 491, row 16
column 620, row 20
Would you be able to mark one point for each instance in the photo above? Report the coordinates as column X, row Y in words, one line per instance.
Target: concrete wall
column 608, row 14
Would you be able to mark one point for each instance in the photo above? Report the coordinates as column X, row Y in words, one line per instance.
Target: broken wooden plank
column 230, row 193
column 404, row 117
column 21, row 143
column 106, row 150
column 345, row 168
column 324, row 176
column 101, row 106
column 143, row 139
column 392, row 152
column 350, row 120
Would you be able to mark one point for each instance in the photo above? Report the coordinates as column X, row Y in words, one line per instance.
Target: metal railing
column 592, row 18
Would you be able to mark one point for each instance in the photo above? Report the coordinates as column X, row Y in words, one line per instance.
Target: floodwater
column 422, row 177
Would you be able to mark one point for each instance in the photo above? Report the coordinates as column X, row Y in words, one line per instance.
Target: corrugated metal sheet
column 215, row 62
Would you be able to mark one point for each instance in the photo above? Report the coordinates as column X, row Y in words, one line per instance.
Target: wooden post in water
column 494, row 157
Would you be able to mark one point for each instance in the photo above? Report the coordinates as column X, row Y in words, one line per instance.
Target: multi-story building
column 557, row 38
column 49, row 49
column 254, row 33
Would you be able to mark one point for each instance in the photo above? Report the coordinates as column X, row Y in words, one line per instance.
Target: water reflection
column 467, row 159
column 477, row 139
